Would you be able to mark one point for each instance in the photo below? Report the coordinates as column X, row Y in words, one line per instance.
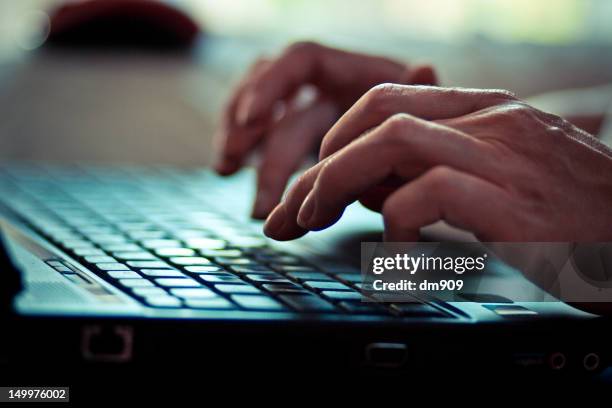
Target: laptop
column 127, row 266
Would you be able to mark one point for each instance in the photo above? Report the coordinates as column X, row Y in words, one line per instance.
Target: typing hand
column 270, row 108
column 481, row 160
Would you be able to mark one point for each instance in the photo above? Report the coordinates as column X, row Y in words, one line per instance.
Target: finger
column 281, row 224
column 293, row 138
column 463, row 200
column 311, row 63
column 404, row 146
column 424, row 102
column 419, row 75
column 231, row 141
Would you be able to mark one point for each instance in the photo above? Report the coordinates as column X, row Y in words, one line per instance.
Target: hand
column 481, row 160
column 269, row 108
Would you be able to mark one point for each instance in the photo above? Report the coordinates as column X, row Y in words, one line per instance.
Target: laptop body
column 160, row 266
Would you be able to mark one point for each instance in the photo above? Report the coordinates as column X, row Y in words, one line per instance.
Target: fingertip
column 226, row 167
column 275, row 221
column 424, row 75
column 279, row 227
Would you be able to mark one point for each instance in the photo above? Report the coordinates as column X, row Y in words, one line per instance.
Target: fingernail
column 306, row 211
column 275, row 221
column 244, row 111
column 263, row 205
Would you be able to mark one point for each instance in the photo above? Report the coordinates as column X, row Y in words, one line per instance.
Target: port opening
column 386, row 355
column 107, row 344
column 557, row 361
column 591, row 361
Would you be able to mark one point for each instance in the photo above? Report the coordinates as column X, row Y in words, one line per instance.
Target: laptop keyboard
column 162, row 238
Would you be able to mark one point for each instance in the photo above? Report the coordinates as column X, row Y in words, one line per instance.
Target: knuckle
column 493, row 97
column 394, row 130
column 328, row 176
column 517, row 113
column 502, row 94
column 440, row 179
column 377, row 97
column 396, row 123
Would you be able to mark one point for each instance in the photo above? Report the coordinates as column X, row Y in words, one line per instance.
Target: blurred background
column 154, row 106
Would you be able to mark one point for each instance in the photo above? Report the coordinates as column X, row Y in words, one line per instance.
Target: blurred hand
column 287, row 104
column 481, row 160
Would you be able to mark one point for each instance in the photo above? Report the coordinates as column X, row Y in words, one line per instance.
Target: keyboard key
column 205, row 243
column 190, row 260
column 317, row 285
column 63, row 269
column 307, row 303
column 335, row 269
column 249, row 242
column 89, row 252
column 107, row 238
column 268, row 278
column 235, row 261
column 190, row 233
column 146, row 234
column 160, row 243
column 135, row 226
column 252, row 269
column 123, row 275
column 350, row 277
column 121, row 248
column 293, row 268
column 148, row 264
column 285, row 288
column 216, row 303
column 100, row 259
column 365, row 286
column 135, row 283
column 149, row 291
column 284, row 260
column 163, row 301
column 208, row 269
column 177, row 282
column 310, row 276
column 77, row 244
column 221, row 278
column 114, row 266
column 158, row 273
column 417, row 310
column 337, row 295
column 134, row 256
column 166, row 252
column 237, row 288
column 225, row 253
column 193, row 293
column 257, row 302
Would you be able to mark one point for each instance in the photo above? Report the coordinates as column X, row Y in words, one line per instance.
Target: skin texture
column 480, row 160
column 267, row 113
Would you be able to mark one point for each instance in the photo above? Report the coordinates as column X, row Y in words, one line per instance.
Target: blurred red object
column 117, row 23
